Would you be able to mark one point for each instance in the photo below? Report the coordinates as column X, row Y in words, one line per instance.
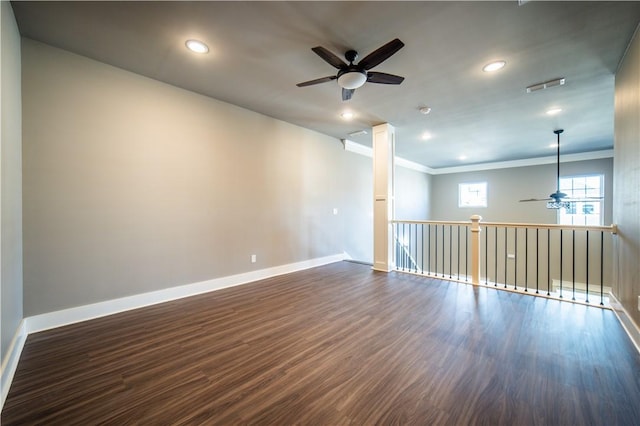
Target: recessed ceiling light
column 424, row 110
column 462, row 157
column 554, row 111
column 494, row 66
column 553, row 145
column 196, row 46
column 347, row 115
column 425, row 136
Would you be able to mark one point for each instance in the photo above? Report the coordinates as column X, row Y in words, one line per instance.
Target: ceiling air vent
column 545, row 85
column 358, row 133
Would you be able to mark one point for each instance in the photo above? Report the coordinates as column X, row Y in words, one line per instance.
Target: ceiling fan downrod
column 557, row 132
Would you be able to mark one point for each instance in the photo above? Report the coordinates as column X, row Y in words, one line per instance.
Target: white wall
column 11, row 169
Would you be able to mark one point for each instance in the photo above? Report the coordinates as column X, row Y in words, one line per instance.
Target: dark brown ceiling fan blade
column 347, row 93
column 381, row 54
column 535, row 199
column 383, row 78
column 316, row 81
column 329, row 57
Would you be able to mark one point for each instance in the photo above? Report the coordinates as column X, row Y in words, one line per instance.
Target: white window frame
column 565, row 218
column 481, row 202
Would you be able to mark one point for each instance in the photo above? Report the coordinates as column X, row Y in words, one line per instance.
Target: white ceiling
column 260, row 50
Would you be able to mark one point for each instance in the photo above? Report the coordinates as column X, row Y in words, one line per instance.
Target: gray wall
column 11, row 168
column 358, row 207
column 132, row 185
column 506, row 186
column 412, row 193
column 627, row 180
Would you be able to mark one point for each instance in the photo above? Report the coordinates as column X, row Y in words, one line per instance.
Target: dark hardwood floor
column 338, row 344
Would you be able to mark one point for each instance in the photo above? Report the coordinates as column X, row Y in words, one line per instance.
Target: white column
column 383, row 209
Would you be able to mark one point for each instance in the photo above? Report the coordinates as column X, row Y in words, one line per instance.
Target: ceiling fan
column 558, row 200
column 351, row 76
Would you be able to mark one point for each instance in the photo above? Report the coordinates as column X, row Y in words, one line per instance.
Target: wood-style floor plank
column 338, row 344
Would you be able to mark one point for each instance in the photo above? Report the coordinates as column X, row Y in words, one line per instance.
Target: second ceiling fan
column 558, row 199
column 352, row 76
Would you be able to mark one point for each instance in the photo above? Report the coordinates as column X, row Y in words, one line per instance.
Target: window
column 587, row 195
column 472, row 194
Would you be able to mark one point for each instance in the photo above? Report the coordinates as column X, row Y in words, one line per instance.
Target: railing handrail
column 433, row 222
column 610, row 228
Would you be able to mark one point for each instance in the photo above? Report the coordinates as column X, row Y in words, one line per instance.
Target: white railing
column 567, row 262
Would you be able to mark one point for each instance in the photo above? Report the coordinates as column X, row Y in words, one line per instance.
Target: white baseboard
column 10, row 361
column 96, row 310
column 626, row 320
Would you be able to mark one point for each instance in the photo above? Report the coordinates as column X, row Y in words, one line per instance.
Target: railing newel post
column 475, row 249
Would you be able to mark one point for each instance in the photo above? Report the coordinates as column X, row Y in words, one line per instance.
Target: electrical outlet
column 253, row 258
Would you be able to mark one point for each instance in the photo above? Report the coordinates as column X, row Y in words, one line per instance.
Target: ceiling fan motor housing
column 351, row 56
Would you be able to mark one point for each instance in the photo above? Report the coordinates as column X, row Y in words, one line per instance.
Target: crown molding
column 399, row 161
column 402, row 162
column 567, row 158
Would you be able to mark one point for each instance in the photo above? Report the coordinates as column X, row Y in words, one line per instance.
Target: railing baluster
column 415, row 254
column 548, row 262
column 436, row 247
column 526, row 259
column 515, row 259
column 458, row 258
column 601, row 268
column 404, row 251
column 505, row 256
column 561, row 264
column 496, row 256
column 429, row 249
column 587, row 266
column 573, row 263
column 450, row 250
column 466, row 253
column 442, row 251
column 422, row 251
column 486, row 256
column 537, row 262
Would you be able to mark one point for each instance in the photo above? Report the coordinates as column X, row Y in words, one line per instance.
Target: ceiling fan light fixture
column 558, row 205
column 352, row 79
column 494, row 66
column 196, row 46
